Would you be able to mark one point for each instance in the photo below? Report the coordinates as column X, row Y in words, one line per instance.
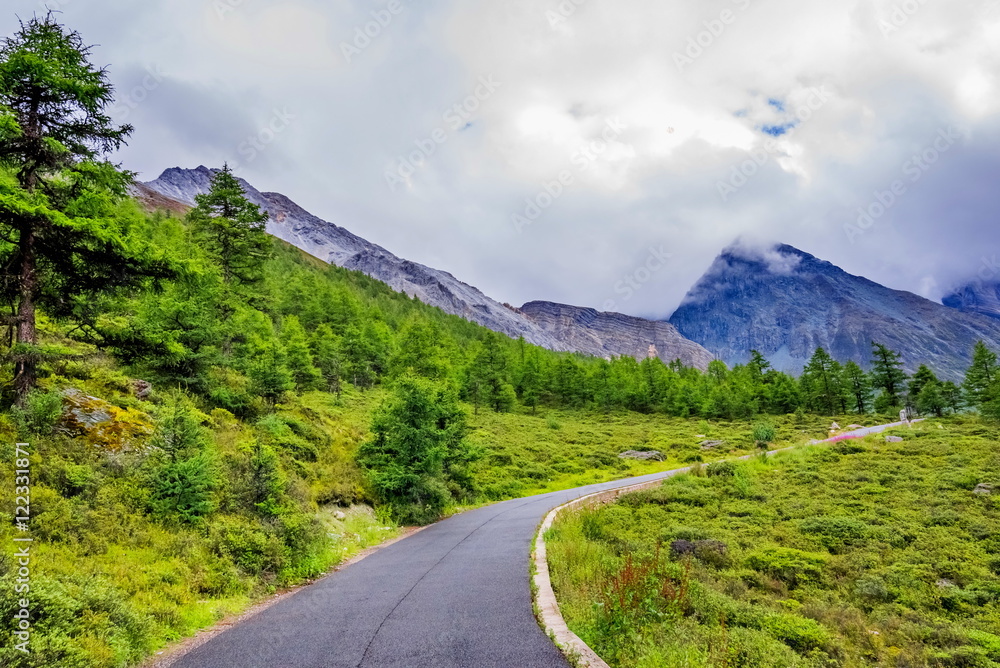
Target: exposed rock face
column 608, row 334
column 786, row 303
column 981, row 297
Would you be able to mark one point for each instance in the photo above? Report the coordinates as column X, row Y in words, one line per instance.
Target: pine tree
column 490, row 374
column 327, row 355
column 887, row 375
column 859, row 386
column 921, row 379
column 822, row 384
column 982, row 375
column 417, row 450
column 233, row 229
column 952, row 395
column 299, row 357
column 531, row 380
column 269, row 372
column 61, row 238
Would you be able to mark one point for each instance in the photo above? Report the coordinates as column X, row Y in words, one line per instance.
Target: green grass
column 864, row 553
column 527, row 454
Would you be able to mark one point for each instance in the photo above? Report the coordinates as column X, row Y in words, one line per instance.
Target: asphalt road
column 455, row 595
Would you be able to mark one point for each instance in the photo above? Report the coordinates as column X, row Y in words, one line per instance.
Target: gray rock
column 649, row 455
column 984, row 489
column 614, row 334
column 86, row 411
column 141, row 389
column 710, row 445
column 893, row 439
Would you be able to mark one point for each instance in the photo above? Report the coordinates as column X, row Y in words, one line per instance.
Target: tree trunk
column 26, row 365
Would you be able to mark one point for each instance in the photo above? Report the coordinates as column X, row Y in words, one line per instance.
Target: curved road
column 455, row 595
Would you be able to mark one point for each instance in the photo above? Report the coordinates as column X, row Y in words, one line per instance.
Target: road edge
column 173, row 652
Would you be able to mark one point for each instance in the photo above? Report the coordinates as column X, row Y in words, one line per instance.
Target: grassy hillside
column 866, row 553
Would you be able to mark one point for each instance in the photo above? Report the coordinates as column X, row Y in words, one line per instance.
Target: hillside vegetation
column 863, row 553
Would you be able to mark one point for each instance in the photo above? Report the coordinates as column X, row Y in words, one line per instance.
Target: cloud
column 814, row 108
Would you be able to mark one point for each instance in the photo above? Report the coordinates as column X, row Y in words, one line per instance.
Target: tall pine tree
column 61, row 239
column 233, row 229
column 887, row 375
column 982, row 376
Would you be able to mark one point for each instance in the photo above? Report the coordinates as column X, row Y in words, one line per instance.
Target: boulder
column 893, row 439
column 103, row 424
column 709, row 445
column 984, row 489
column 834, row 427
column 141, row 389
column 646, row 455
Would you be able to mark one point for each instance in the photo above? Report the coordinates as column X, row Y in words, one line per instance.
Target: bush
column 764, row 432
column 183, row 489
column 835, row 532
column 724, row 469
column 799, row 633
column 791, row 566
column 254, row 550
column 40, row 413
column 76, row 623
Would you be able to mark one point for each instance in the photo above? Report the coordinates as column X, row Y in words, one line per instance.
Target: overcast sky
column 675, row 127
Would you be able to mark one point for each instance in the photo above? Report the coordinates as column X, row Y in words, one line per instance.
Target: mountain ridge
column 785, row 303
column 337, row 245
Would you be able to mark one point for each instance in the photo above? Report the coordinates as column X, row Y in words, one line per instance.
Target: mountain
column 980, row 297
column 607, row 334
column 336, row 245
column 785, row 303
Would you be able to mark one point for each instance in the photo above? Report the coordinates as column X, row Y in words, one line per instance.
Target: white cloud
column 654, row 183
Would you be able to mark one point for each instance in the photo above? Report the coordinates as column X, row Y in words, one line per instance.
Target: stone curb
column 578, row 652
